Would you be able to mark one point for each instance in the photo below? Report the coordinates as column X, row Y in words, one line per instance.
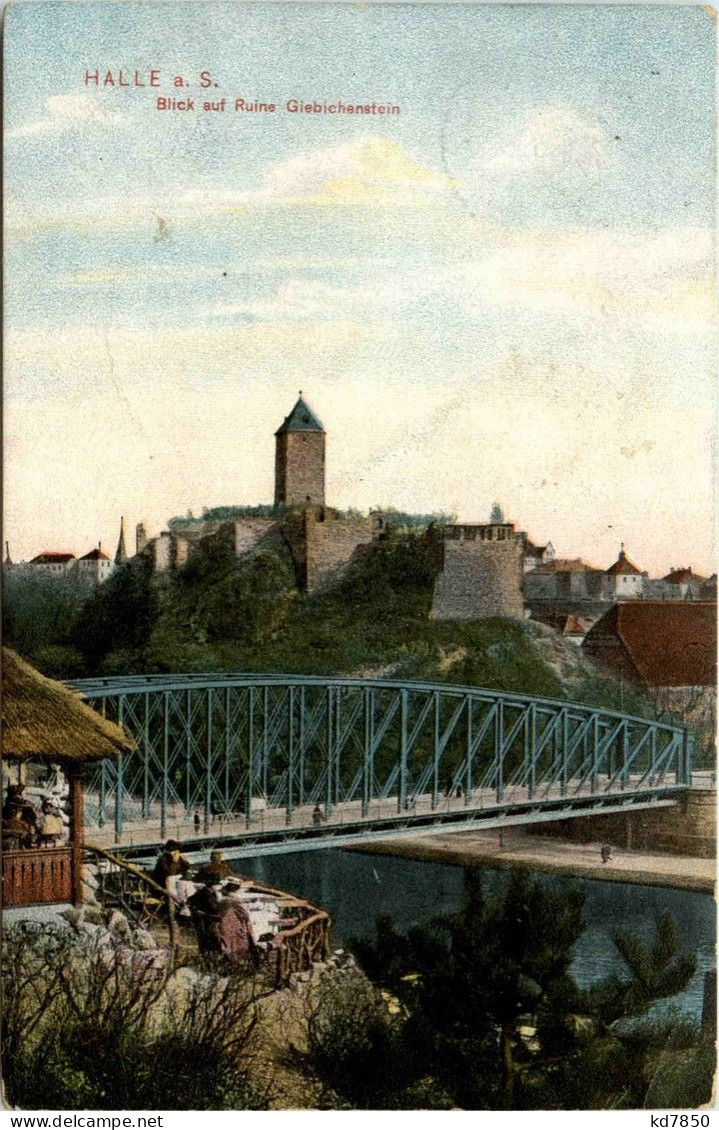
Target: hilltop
column 220, row 612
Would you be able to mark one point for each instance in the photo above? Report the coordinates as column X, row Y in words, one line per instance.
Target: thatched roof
column 45, row 720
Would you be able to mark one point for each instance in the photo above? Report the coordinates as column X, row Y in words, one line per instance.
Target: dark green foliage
column 251, row 600
column 472, row 986
column 357, row 1045
column 224, row 514
column 400, row 519
column 118, row 616
column 470, row 979
column 657, row 969
column 38, row 617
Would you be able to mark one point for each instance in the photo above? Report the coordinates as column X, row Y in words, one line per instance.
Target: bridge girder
column 305, row 751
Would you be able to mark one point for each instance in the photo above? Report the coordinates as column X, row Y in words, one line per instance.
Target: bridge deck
column 269, row 831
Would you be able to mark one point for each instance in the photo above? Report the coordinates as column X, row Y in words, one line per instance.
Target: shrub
column 91, row 1026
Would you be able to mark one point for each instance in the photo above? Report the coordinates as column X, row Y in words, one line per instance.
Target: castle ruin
column 322, row 540
column 481, row 574
column 482, row 564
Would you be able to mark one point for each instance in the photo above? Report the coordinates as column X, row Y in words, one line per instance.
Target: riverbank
column 515, row 848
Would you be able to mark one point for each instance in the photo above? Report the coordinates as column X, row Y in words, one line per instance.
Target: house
column 684, row 583
column 45, row 724
column 573, row 628
column 623, row 580
column 52, row 563
column 659, row 643
column 537, row 555
column 94, row 567
column 562, row 580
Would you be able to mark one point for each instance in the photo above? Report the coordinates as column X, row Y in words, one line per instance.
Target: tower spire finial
column 120, row 552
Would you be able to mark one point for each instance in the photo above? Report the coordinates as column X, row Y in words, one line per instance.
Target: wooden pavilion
column 45, row 722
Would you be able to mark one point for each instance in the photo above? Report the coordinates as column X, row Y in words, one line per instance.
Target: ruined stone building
column 481, row 573
column 322, row 540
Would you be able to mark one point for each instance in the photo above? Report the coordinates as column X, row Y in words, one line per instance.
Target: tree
column 496, row 514
column 38, row 612
column 118, row 616
column 657, row 969
column 473, row 980
column 496, row 1020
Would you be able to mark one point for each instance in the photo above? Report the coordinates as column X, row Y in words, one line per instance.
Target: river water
column 356, row 888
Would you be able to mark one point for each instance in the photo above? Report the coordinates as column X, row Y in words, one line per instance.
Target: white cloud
column 370, row 173
column 557, row 140
column 663, row 279
column 302, row 300
column 68, row 113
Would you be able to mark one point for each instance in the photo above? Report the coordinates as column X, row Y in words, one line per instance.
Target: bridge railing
column 302, row 750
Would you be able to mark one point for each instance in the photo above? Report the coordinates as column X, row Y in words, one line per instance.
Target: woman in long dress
column 232, row 928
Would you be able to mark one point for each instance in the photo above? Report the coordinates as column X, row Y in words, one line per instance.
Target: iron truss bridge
column 272, row 763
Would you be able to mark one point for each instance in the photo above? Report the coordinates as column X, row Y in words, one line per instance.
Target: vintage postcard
column 359, row 584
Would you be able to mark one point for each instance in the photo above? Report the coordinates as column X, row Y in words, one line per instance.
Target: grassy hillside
column 219, row 613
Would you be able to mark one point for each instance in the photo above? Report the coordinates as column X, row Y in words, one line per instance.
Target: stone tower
column 300, row 459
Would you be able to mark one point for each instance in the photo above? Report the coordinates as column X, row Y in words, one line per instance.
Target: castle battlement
column 481, row 575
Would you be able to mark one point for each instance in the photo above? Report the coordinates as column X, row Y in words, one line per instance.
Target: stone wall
column 331, row 542
column 249, row 531
column 300, row 469
column 164, row 551
column 479, row 579
column 687, row 828
column 323, row 543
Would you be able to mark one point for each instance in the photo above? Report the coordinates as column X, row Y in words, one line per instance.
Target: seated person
column 203, row 906
column 170, row 862
column 216, row 869
column 18, row 806
column 50, row 824
column 16, row 833
column 232, row 928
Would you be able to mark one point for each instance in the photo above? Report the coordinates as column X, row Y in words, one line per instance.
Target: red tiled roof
column 567, row 623
column 682, row 576
column 50, row 557
column 623, row 565
column 95, row 555
column 670, row 643
column 565, row 565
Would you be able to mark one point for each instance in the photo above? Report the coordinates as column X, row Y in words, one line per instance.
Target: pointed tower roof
column 300, row 419
column 8, row 559
column 121, row 552
column 623, row 565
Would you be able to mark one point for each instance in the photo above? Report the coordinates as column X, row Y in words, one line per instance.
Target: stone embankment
column 517, row 848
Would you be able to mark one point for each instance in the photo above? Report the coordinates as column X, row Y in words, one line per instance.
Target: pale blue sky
column 514, row 273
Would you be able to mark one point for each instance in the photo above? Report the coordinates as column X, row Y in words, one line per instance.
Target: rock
column 143, row 940
column 118, row 926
